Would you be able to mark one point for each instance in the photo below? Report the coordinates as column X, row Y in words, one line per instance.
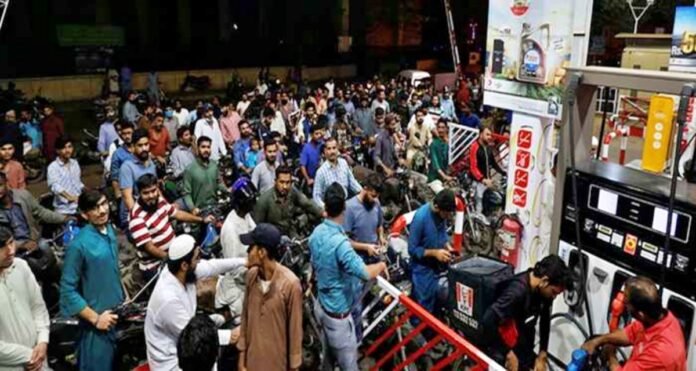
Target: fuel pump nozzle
column 618, row 306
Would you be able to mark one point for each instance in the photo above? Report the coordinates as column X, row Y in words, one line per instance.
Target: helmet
column 493, row 201
column 243, row 192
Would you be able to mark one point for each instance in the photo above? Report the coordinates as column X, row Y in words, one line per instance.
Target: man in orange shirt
column 159, row 138
column 656, row 335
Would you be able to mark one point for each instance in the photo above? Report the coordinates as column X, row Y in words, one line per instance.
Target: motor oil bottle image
column 532, row 67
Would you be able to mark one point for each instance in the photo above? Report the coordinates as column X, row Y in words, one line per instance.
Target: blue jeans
column 340, row 342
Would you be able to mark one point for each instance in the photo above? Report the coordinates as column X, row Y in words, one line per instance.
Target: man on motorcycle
column 264, row 344
column 430, row 250
column 182, row 156
column 284, row 205
column 241, row 146
column 337, row 267
column 65, row 178
column 264, row 173
column 90, row 286
column 208, row 126
column 20, row 210
column 150, row 226
column 173, row 300
column 202, row 179
column 310, row 158
column 385, row 154
column 11, row 168
column 439, row 158
column 230, row 290
column 333, row 170
column 159, row 139
column 132, row 170
column 419, row 137
column 120, row 151
column 481, row 161
column 107, row 131
column 25, row 322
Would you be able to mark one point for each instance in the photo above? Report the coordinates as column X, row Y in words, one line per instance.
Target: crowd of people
column 292, row 157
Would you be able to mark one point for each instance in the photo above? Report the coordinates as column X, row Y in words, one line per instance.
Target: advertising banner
column 528, row 48
column 530, row 185
column 683, row 53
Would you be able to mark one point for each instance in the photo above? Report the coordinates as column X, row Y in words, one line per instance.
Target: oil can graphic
column 534, row 44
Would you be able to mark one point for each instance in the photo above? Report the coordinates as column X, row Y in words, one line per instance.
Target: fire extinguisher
column 508, row 238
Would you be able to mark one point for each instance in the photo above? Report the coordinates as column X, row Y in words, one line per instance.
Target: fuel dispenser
column 611, row 223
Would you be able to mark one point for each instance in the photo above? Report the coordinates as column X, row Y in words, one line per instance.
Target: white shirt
column 242, row 107
column 232, row 228
column 171, row 307
column 112, row 148
column 278, row 124
column 24, row 320
column 182, row 116
column 230, row 288
column 212, row 131
column 330, row 87
column 428, row 122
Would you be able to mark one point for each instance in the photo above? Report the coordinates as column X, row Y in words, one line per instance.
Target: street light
column 638, row 11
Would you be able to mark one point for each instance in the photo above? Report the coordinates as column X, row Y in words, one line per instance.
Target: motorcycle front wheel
column 478, row 237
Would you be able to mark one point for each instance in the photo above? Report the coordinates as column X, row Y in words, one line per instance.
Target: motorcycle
column 478, row 224
column 86, row 152
column 34, row 164
column 405, row 192
column 130, row 336
column 295, row 256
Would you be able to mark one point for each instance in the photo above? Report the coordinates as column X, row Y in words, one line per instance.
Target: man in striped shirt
column 150, row 226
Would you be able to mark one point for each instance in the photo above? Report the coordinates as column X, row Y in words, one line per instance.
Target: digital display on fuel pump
column 639, row 212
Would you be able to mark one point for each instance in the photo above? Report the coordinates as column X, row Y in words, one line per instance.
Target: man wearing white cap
column 173, row 301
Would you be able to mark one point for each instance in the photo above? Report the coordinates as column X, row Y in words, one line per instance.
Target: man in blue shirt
column 122, row 154
column 91, row 284
column 131, row 171
column 337, row 266
column 31, row 128
column 469, row 119
column 430, row 250
column 310, row 158
column 241, row 146
column 363, row 225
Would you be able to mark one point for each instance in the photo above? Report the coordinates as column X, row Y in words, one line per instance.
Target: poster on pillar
column 528, row 49
column 529, row 193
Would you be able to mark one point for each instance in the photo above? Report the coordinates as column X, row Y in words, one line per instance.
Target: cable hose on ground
column 578, row 325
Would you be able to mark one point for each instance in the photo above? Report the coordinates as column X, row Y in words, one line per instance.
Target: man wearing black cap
column 428, row 245
column 272, row 307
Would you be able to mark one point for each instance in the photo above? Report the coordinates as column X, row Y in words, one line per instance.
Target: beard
column 369, row 204
column 191, row 277
column 143, row 156
column 148, row 206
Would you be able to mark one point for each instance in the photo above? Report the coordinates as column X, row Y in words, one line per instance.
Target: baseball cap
column 266, row 235
column 181, row 246
column 445, row 200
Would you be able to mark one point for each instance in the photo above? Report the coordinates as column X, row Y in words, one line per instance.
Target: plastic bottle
column 578, row 360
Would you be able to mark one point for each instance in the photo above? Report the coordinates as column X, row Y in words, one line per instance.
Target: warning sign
column 524, row 159
column 465, row 299
column 519, row 197
column 521, row 178
column 524, row 139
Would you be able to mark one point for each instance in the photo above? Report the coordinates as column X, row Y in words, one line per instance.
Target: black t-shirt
column 516, row 301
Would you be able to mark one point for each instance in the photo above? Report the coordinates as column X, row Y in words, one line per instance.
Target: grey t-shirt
column 360, row 223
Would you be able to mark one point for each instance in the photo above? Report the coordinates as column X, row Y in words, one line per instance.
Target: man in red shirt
column 656, row 335
column 150, row 227
column 53, row 127
column 14, row 171
column 159, row 139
